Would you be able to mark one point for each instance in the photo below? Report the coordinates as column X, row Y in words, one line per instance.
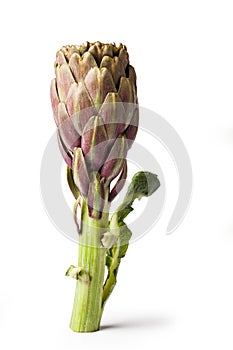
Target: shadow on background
column 143, row 322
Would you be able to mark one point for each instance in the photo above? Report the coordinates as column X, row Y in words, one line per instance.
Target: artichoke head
column 95, row 107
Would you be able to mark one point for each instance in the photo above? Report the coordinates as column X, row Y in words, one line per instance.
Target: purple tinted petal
column 94, row 143
column 63, row 151
column 80, row 106
column 113, row 113
column 64, row 80
column 115, row 160
column 115, row 66
column 67, row 130
column 74, row 65
column 60, row 58
column 124, row 57
column 120, row 182
column 132, row 129
column 54, row 99
column 80, row 173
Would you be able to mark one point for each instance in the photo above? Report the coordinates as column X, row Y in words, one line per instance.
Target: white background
column 173, row 291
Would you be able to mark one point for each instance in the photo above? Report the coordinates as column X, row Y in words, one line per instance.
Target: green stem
column 87, row 309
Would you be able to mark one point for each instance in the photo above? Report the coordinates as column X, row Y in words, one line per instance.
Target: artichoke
column 95, row 107
column 94, row 101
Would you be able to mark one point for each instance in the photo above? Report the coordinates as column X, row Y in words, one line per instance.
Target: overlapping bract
column 94, row 101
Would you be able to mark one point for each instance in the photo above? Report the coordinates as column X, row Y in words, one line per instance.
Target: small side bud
column 78, row 273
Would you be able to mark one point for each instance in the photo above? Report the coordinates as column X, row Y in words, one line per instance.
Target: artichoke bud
column 94, row 102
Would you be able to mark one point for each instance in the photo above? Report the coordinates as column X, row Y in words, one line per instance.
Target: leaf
column 125, row 235
column 143, row 184
column 124, row 212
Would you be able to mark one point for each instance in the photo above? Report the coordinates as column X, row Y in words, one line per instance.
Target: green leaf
column 124, row 212
column 143, row 184
column 125, row 235
column 109, row 260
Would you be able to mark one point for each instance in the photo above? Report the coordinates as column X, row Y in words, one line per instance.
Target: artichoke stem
column 87, row 307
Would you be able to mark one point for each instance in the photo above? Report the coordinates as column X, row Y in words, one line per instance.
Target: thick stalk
column 87, row 312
